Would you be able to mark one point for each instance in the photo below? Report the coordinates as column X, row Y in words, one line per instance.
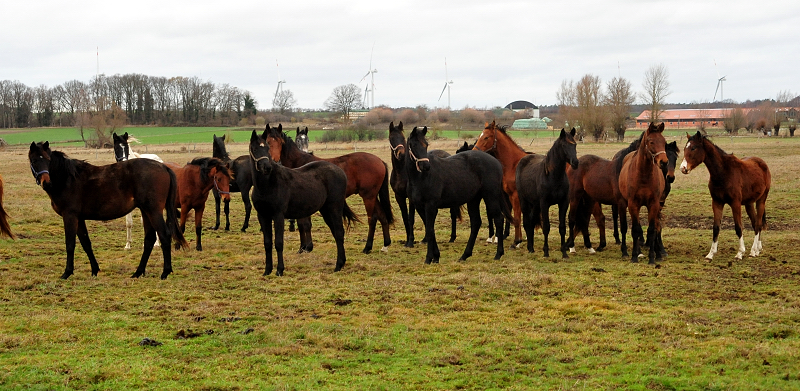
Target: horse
column 641, row 183
column 195, row 181
column 80, row 191
column 242, row 182
column 507, row 229
column 367, row 176
column 732, row 181
column 495, row 141
column 5, row 228
column 280, row 192
column 399, row 182
column 301, row 139
column 123, row 152
column 464, row 178
column 542, row 182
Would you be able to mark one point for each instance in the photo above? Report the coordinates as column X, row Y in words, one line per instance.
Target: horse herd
column 287, row 182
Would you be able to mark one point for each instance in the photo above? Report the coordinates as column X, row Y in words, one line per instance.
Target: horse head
column 487, row 141
column 672, row 156
column 216, row 170
column 654, row 143
column 418, row 149
column 121, row 149
column 276, row 140
column 39, row 157
column 694, row 152
column 464, row 148
column 397, row 141
column 566, row 147
column 218, row 149
column 260, row 153
column 301, row 139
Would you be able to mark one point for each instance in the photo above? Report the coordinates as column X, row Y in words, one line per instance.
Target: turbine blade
column 717, row 90
column 365, row 76
column 445, row 87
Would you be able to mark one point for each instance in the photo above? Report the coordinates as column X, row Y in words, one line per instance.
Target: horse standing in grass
column 641, row 183
column 79, row 191
column 399, row 183
column 280, row 192
column 542, row 182
column 5, row 228
column 492, row 238
column 732, row 181
column 123, row 152
column 195, row 181
column 242, row 182
column 367, row 176
column 464, row 178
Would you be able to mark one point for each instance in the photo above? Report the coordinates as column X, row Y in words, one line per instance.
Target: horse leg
column 562, row 226
column 573, row 211
column 454, row 212
column 279, row 224
column 491, row 232
column 736, row 207
column 474, row 211
column 128, row 229
column 198, row 226
column 306, row 243
column 653, row 230
column 517, row 210
column 155, row 228
column 544, row 213
column 528, row 224
column 227, row 215
column 86, row 243
column 494, row 214
column 372, row 219
column 266, row 231
column 247, row 208
column 335, row 224
column 615, row 217
column 717, row 208
column 291, row 225
column 623, row 227
column 636, row 231
column 407, row 220
column 430, row 234
column 149, row 239
column 70, row 230
column 600, row 219
column 217, row 200
column 751, row 213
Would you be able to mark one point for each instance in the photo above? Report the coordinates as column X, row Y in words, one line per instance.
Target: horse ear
column 254, row 137
column 563, row 133
column 46, row 145
column 572, row 132
column 698, row 135
column 33, row 145
column 660, row 128
column 280, row 127
column 424, row 130
column 688, row 137
column 400, row 126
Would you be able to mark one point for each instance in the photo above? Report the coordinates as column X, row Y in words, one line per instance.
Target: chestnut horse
column 732, row 181
column 241, row 182
column 367, row 176
column 542, row 182
column 399, row 182
column 5, row 229
column 641, row 183
column 495, row 141
column 80, row 191
column 195, row 180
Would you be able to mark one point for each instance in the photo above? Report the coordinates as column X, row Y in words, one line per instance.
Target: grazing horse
column 195, row 180
column 301, row 139
column 641, row 183
column 367, row 176
column 123, row 152
column 732, row 181
column 542, row 182
column 399, row 182
column 464, row 178
column 5, row 229
column 242, row 183
column 495, row 141
column 280, row 192
column 80, row 191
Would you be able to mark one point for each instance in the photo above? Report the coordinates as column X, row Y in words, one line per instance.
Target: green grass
column 387, row 321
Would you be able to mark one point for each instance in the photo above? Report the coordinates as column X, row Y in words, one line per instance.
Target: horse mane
column 63, row 168
column 720, row 151
column 502, row 130
column 207, row 163
column 630, row 148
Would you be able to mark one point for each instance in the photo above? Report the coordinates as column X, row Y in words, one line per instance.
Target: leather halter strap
column 416, row 160
column 396, row 150
column 216, row 186
column 258, row 159
column 37, row 174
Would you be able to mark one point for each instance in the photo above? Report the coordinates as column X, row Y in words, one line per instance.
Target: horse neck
column 508, row 152
column 292, row 156
column 644, row 160
column 555, row 163
column 715, row 160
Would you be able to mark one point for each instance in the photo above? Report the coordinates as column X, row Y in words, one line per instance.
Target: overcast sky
column 497, row 51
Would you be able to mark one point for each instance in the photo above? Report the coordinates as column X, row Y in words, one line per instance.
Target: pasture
column 387, row 320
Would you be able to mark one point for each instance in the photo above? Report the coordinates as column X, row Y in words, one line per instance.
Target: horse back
column 363, row 171
column 529, row 169
column 752, row 178
column 306, row 189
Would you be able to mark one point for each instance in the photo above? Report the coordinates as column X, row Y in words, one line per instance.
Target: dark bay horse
column 464, row 178
column 399, row 182
column 542, row 182
column 641, row 183
column 5, row 228
column 495, row 141
column 80, row 191
column 367, row 176
column 195, row 181
column 242, row 183
column 732, row 181
column 280, row 192
column 492, row 238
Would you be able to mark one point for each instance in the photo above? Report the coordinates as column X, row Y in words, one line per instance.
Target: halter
column 257, row 159
column 416, row 161
column 37, row 174
column 216, row 186
column 654, row 155
column 396, row 150
column 494, row 145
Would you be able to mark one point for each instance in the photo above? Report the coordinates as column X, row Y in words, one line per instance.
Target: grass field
column 387, row 321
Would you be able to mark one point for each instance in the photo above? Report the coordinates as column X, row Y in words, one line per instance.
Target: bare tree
column 656, row 90
column 283, row 101
column 735, row 121
column 567, row 102
column 589, row 98
column 619, row 98
column 344, row 99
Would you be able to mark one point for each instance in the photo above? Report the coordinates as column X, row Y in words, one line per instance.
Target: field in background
column 387, row 321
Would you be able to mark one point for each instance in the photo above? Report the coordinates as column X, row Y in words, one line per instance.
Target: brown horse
column 495, row 141
column 5, row 229
column 732, row 181
column 80, row 191
column 641, row 183
column 367, row 176
column 195, row 181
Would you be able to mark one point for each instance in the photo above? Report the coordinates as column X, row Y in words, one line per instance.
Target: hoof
column 164, row 275
column 572, row 250
column 592, row 251
column 385, row 249
column 366, row 250
column 137, row 275
column 128, row 246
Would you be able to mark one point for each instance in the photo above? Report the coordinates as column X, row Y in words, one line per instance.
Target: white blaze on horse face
column 713, row 251
column 688, row 143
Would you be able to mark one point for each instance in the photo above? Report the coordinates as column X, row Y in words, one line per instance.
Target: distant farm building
column 688, row 118
column 529, row 124
column 523, row 105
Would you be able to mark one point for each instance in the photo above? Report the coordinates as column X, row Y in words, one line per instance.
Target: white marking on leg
column 385, row 249
column 756, row 249
column 489, row 240
column 742, row 248
column 572, row 250
column 591, row 250
column 713, row 251
column 128, row 227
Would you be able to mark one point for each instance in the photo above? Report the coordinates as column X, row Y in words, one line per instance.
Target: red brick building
column 688, row 118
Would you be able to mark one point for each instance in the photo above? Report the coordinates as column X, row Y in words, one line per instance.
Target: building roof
column 521, row 105
column 688, row 114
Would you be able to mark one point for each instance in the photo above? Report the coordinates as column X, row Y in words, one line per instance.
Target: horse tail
column 173, row 230
column 459, row 213
column 383, row 197
column 5, row 228
column 348, row 216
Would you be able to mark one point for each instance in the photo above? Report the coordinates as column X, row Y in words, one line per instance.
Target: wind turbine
column 281, row 82
column 371, row 85
column 719, row 85
column 447, row 84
